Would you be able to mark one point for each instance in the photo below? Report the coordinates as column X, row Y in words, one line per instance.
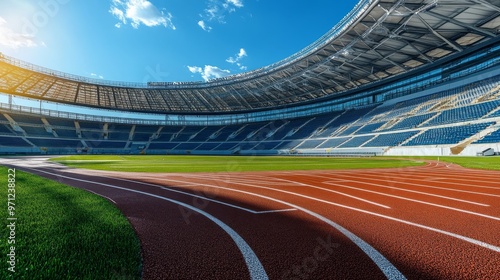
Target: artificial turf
column 488, row 163
column 63, row 232
column 170, row 163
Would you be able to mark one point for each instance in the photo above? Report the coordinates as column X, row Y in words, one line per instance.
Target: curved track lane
column 438, row 221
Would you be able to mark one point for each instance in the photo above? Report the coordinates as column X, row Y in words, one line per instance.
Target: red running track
column 438, row 221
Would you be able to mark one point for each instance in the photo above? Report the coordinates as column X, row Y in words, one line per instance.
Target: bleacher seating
column 267, row 145
column 163, row 146
column 356, row 141
column 208, row 146
column 106, row 144
column 368, row 128
column 187, row 146
column 226, row 146
column 36, row 131
column 56, row 143
column 310, row 144
column 333, row 143
column 348, row 131
column 2, row 118
column 441, row 118
column 118, row 135
column 411, row 122
column 390, row 140
column 493, row 137
column 447, row 135
column 26, row 119
column 86, row 125
column 290, row 144
column 288, row 128
column 58, row 122
column 4, row 130
column 13, row 142
column 208, row 133
column 147, row 129
column 495, row 114
column 65, row 133
column 92, row 134
column 462, row 114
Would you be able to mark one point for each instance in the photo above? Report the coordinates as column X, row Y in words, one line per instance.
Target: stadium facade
column 393, row 77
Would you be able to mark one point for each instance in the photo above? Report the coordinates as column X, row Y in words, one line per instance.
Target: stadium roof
column 375, row 41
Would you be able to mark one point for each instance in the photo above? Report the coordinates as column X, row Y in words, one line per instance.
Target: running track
column 438, row 221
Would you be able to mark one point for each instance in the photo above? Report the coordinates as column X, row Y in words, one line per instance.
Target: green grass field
column 488, row 163
column 170, row 163
column 150, row 163
column 65, row 233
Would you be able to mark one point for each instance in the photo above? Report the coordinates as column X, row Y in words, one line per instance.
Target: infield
column 174, row 164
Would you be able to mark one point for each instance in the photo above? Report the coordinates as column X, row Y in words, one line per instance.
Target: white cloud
column 212, row 72
column 237, row 57
column 139, row 12
column 94, row 75
column 237, row 3
column 203, row 26
column 195, row 69
column 209, row 72
column 217, row 11
column 14, row 40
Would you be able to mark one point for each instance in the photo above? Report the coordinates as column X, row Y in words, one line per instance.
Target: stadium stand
column 356, row 141
column 326, row 99
column 13, row 142
column 447, row 135
column 392, row 139
column 493, row 137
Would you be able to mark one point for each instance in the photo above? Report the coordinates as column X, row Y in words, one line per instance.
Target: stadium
column 392, row 78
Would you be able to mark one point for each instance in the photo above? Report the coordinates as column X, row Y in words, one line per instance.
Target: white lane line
column 333, row 191
column 202, row 197
column 465, row 175
column 461, row 237
column 428, row 177
column 414, row 191
column 417, row 201
column 253, row 263
column 275, row 211
column 389, row 270
column 101, row 195
column 268, row 180
column 377, row 178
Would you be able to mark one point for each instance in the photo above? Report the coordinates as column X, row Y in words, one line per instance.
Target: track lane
column 422, row 233
column 286, row 242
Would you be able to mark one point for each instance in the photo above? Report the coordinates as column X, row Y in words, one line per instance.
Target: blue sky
column 162, row 40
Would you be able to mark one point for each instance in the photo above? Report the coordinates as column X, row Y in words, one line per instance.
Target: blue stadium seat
column 356, row 141
column 447, row 135
column 390, row 140
column 13, row 142
column 493, row 137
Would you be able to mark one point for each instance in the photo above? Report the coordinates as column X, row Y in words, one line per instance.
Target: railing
column 59, row 74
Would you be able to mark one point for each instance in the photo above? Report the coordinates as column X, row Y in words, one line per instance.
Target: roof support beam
column 487, row 5
column 468, row 26
column 451, row 44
